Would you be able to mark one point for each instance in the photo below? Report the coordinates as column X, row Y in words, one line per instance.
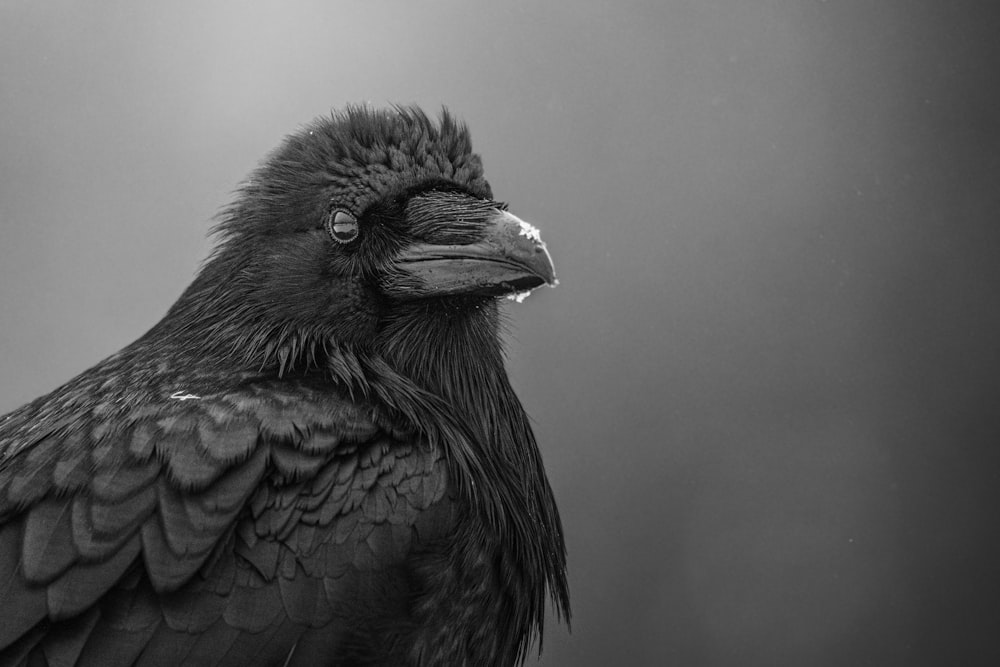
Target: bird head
column 355, row 220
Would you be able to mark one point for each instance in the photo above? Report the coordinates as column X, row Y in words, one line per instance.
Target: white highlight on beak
column 528, row 229
column 518, row 296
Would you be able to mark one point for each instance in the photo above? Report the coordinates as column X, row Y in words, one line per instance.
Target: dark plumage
column 316, row 456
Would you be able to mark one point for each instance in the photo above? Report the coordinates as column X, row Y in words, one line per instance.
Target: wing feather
column 63, row 649
column 242, row 515
column 81, row 586
column 24, row 604
column 48, row 549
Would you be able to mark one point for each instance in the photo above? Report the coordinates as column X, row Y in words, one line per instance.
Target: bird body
column 316, row 457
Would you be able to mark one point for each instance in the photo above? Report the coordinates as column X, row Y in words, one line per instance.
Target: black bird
column 315, row 457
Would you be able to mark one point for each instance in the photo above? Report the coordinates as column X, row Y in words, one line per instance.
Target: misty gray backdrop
column 766, row 388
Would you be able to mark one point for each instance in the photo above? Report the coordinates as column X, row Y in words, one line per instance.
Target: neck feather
column 456, row 355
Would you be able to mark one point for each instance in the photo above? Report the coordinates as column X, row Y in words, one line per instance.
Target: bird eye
column 343, row 226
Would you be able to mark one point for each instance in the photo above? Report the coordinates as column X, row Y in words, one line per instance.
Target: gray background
column 766, row 389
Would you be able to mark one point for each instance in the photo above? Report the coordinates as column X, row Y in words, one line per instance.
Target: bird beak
column 511, row 259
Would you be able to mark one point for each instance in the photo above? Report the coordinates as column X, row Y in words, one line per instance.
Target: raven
column 315, row 457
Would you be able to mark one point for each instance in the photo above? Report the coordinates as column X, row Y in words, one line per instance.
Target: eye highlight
column 342, row 226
